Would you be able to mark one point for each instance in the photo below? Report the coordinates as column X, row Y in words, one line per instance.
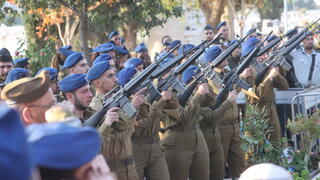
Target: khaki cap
column 26, row 90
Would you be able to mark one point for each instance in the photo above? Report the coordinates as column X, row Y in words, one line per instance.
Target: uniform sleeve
column 214, row 115
column 281, row 83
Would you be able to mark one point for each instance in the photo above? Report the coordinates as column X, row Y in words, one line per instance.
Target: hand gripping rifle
column 120, row 95
column 234, row 78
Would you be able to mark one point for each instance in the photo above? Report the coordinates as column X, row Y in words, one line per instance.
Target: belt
column 124, row 162
column 179, row 127
column 145, row 140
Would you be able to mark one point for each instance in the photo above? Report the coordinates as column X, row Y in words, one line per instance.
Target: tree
column 7, row 13
column 212, row 10
column 79, row 8
column 133, row 16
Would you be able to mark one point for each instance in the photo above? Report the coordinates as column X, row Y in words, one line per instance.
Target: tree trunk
column 130, row 35
column 212, row 10
column 83, row 32
column 230, row 16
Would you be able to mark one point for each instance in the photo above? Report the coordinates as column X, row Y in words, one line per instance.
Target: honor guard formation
column 120, row 115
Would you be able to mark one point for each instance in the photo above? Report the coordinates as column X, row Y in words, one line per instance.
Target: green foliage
column 39, row 58
column 309, row 129
column 303, row 175
column 7, row 14
column 256, row 138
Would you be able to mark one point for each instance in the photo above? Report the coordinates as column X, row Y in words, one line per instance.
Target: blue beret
column 189, row 73
column 53, row 73
column 271, row 38
column 66, row 50
column 125, row 75
column 174, row 44
column 165, row 61
column 223, row 23
column 104, row 47
column 15, row 74
column 166, row 43
column 164, row 53
column 97, row 70
column 186, row 48
column 113, row 33
column 5, row 55
column 102, row 58
column 73, row 59
column 66, row 47
column 134, row 62
column 14, row 150
column 60, row 146
column 121, row 50
column 208, row 27
column 210, row 54
column 249, row 45
column 21, row 60
column 291, row 33
column 141, row 47
column 72, row 82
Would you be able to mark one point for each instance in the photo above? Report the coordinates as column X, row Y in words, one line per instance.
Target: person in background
column 6, row 64
column 114, row 37
column 208, row 32
column 142, row 52
column 21, row 63
column 76, row 64
column 17, row 73
column 223, row 29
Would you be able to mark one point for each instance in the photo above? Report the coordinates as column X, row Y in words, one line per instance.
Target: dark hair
column 56, row 174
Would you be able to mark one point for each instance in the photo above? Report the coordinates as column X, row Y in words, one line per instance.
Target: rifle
column 278, row 58
column 153, row 93
column 234, row 79
column 172, row 80
column 120, row 95
column 208, row 71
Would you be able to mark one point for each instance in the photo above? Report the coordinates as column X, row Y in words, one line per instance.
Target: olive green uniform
column 266, row 96
column 212, row 135
column 186, row 151
column 147, row 154
column 229, row 129
column 117, row 148
column 116, row 143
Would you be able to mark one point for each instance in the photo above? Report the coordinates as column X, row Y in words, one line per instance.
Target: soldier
column 208, row 125
column 76, row 64
column 107, row 48
column 16, row 73
column 14, row 148
column 121, row 57
column 142, row 52
column 61, row 151
column 265, row 91
column 114, row 37
column 184, row 49
column 32, row 97
column 5, row 64
column 59, row 59
column 234, row 59
column 117, row 145
column 174, row 44
column 53, row 75
column 208, row 32
column 184, row 146
column 136, row 63
column 21, row 63
column 166, row 40
column 223, row 29
column 104, row 58
column 147, row 155
column 76, row 90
